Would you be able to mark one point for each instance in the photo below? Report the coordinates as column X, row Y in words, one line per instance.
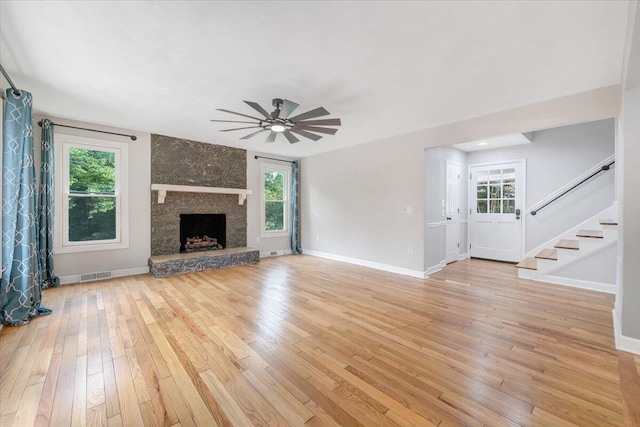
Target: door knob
column 517, row 213
column 448, row 218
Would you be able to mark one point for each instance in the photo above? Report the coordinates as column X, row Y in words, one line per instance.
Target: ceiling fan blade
column 287, row 108
column 231, row 121
column 248, row 127
column 306, row 134
column 258, row 108
column 271, row 137
column 320, row 111
column 325, row 122
column 239, row 114
column 291, row 138
column 254, row 133
column 318, row 129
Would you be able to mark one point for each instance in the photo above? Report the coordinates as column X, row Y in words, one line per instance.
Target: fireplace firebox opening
column 202, row 232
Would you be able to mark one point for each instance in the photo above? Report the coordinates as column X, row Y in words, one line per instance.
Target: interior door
column 452, row 211
column 496, row 210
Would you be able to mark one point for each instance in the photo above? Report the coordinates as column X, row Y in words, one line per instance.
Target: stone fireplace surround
column 183, row 162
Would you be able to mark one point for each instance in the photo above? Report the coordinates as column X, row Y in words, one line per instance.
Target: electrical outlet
column 410, row 250
column 406, row 209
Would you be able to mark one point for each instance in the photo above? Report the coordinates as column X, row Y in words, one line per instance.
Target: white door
column 496, row 208
column 452, row 211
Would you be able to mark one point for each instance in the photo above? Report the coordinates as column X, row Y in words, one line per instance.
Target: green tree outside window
column 92, row 195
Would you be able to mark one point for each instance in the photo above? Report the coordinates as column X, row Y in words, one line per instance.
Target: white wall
column 254, row 182
column 352, row 199
column 554, row 158
column 630, row 216
column 435, row 160
column 598, row 267
column 629, row 210
column 121, row 261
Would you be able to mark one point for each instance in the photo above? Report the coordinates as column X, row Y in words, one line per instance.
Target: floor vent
column 453, row 282
column 273, row 253
column 95, row 276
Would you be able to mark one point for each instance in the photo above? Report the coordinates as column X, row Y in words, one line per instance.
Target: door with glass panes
column 495, row 220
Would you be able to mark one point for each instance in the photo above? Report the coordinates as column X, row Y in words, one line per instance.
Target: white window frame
column 270, row 167
column 62, row 144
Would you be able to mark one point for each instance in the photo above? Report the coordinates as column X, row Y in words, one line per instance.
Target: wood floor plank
column 129, row 407
column 79, row 407
column 27, row 410
column 297, row 340
column 630, row 383
column 63, row 401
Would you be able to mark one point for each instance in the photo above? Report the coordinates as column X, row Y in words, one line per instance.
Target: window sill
column 275, row 234
column 90, row 248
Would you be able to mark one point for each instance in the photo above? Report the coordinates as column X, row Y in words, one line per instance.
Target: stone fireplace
column 182, row 162
column 182, row 219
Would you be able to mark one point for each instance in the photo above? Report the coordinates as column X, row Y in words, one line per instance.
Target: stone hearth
column 170, row 265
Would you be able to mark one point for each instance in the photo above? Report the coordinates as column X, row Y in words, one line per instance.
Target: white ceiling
column 494, row 142
column 384, row 68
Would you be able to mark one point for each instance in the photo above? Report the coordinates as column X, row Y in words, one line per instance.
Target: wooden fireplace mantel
column 163, row 188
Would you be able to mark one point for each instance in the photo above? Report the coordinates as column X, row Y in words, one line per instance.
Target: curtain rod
column 16, row 92
column 271, row 158
column 133, row 137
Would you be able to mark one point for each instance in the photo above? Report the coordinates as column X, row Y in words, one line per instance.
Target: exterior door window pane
column 509, row 191
column 482, row 206
column 508, row 206
column 509, row 175
column 495, row 176
column 482, row 192
column 494, row 206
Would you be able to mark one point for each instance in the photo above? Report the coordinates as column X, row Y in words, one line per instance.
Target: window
column 496, row 191
column 275, row 200
column 91, row 195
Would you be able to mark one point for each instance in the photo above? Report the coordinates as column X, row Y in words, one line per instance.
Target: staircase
column 588, row 237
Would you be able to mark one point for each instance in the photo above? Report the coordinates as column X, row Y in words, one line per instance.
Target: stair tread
column 568, row 244
column 608, row 222
column 551, row 254
column 594, row 234
column 528, row 263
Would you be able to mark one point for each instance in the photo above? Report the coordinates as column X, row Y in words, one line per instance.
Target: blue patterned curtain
column 20, row 292
column 45, row 209
column 295, row 209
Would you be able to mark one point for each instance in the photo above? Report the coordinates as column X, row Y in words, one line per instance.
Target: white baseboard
column 575, row 283
column 435, row 268
column 75, row 278
column 278, row 252
column 632, row 345
column 378, row 266
column 463, row 257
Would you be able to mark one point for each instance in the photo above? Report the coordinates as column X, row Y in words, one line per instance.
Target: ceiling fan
column 278, row 121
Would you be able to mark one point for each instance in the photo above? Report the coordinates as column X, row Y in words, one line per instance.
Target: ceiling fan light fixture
column 280, row 120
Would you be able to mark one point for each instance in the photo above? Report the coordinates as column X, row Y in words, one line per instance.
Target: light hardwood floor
column 299, row 340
